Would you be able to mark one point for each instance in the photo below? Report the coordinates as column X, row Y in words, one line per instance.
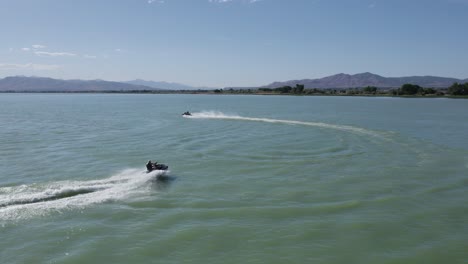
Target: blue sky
column 221, row 43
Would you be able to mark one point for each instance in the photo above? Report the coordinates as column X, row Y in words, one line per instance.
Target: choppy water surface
column 253, row 179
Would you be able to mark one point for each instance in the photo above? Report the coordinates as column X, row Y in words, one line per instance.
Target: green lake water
column 252, row 179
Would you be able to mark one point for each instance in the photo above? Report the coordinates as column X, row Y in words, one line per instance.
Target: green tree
column 410, row 89
column 299, row 88
column 430, row 91
column 284, row 89
column 265, row 89
column 370, row 90
column 458, row 89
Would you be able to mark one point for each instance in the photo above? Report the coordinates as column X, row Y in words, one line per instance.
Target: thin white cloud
column 30, row 66
column 372, row 5
column 54, row 54
column 37, row 49
column 157, row 1
column 118, row 50
column 10, row 49
column 37, row 46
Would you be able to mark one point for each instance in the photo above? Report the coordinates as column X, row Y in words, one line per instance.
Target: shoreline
column 234, row 93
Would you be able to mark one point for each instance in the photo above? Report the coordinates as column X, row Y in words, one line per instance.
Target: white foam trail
column 220, row 115
column 26, row 201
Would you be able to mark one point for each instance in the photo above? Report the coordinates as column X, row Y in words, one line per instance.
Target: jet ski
column 160, row 167
column 187, row 114
column 155, row 166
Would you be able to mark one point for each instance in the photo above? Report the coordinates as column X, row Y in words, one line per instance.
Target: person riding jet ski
column 150, row 166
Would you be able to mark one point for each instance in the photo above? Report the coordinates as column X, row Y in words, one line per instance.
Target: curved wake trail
column 26, row 201
column 220, row 115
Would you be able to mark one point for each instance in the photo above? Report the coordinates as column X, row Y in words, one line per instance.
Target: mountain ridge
column 338, row 81
column 343, row 80
column 166, row 85
column 160, row 84
column 46, row 84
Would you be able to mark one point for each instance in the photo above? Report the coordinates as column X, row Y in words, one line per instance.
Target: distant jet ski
column 187, row 114
column 151, row 166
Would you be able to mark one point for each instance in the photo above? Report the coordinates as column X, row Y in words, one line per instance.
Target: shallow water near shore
column 252, row 179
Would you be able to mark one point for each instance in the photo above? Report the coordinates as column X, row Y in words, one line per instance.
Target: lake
column 253, row 179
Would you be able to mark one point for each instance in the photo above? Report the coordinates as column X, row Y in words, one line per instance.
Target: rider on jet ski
column 150, row 165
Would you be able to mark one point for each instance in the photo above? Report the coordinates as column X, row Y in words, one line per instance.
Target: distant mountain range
column 41, row 84
column 167, row 85
column 369, row 79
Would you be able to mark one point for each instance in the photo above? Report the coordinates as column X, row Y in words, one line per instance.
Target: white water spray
column 220, row 115
column 26, row 201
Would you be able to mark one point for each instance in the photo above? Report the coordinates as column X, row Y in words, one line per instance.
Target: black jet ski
column 156, row 166
column 187, row 114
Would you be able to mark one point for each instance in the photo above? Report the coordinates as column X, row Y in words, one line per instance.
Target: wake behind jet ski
column 187, row 114
column 151, row 166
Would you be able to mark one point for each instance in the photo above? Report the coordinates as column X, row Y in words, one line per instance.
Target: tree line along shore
column 456, row 90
